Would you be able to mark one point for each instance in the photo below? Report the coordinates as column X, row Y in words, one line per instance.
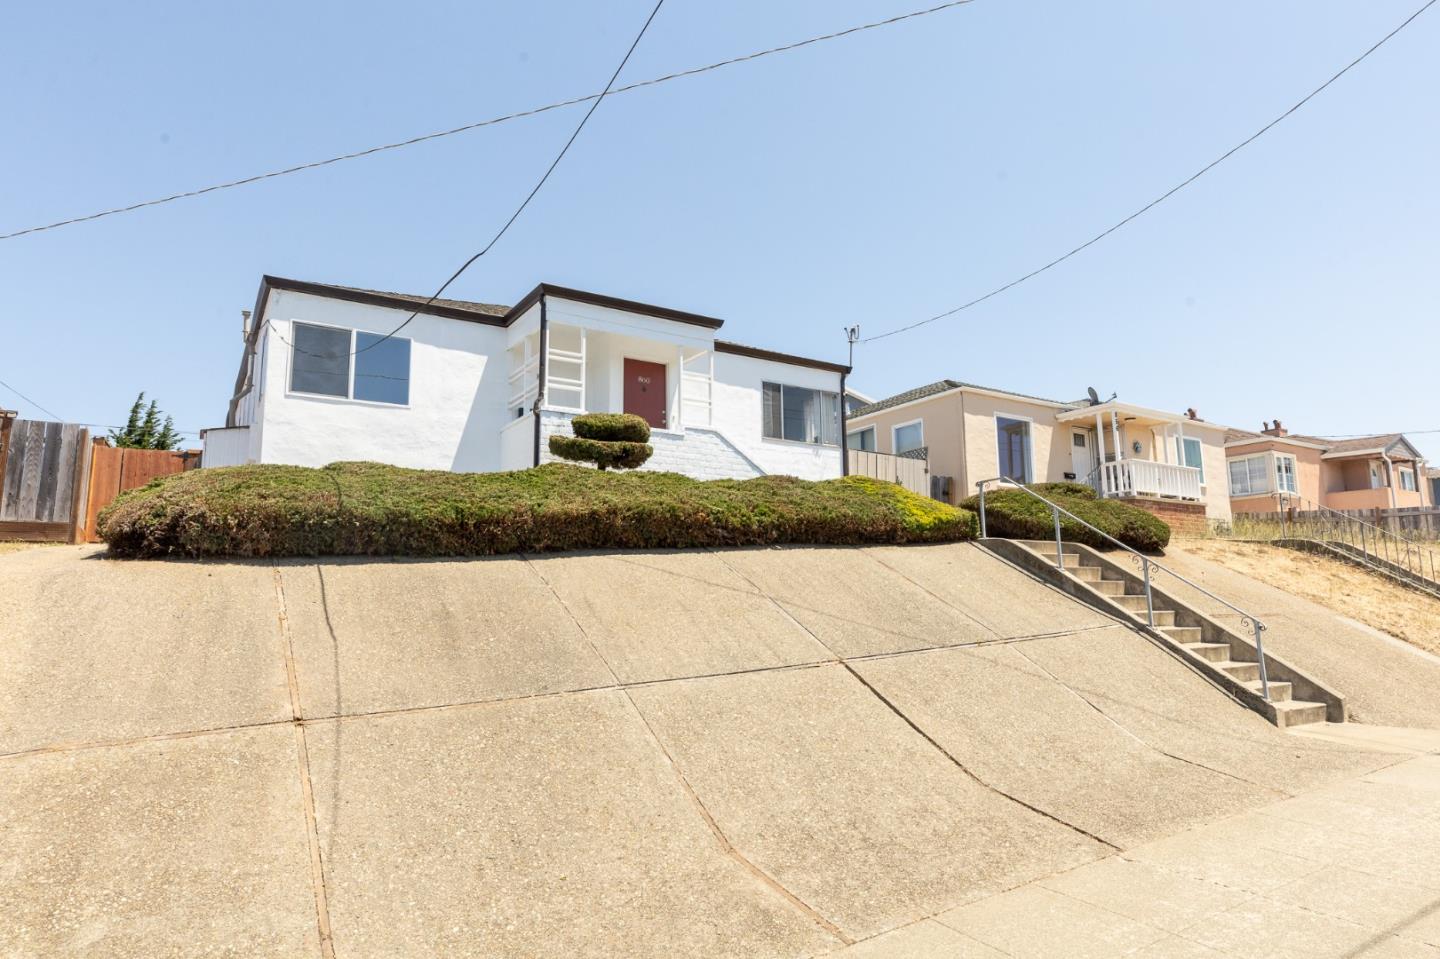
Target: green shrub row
column 370, row 509
column 1014, row 514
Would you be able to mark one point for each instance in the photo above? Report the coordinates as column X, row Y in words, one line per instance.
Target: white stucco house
column 476, row 387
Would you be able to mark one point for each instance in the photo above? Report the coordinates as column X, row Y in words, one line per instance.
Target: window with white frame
column 908, row 436
column 799, row 414
column 1407, row 479
column 1250, row 475
column 1285, row 473
column 1013, row 442
column 861, row 439
column 349, row 364
column 1188, row 451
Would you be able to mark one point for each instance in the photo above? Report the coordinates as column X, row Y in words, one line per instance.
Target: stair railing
column 1145, row 563
column 1375, row 543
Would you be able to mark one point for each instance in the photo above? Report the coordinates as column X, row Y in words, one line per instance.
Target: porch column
column 1115, row 431
column 1100, row 454
column 677, row 419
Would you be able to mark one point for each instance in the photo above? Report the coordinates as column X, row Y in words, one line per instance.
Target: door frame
column 1089, row 435
column 665, row 390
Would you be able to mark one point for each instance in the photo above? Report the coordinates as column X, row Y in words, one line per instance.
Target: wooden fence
column 54, row 480
column 116, row 470
column 1416, row 522
column 43, row 468
column 911, row 473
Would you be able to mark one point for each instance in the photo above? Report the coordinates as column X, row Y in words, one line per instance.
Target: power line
column 31, row 402
column 1164, row 196
column 518, row 210
column 370, row 151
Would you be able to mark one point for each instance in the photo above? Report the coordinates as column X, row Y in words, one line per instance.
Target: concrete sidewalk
column 1347, row 870
column 747, row 753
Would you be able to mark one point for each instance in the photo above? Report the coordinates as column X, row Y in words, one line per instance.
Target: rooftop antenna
column 852, row 336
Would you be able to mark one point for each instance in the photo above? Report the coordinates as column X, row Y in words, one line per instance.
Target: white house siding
column 737, row 415
column 457, row 393
column 226, row 447
column 701, row 453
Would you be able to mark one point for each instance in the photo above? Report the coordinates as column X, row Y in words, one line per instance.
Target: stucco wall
column 1050, row 452
column 457, row 393
column 737, row 415
column 940, row 416
column 1309, row 473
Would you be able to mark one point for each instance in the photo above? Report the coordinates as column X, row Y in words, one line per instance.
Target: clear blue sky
column 876, row 179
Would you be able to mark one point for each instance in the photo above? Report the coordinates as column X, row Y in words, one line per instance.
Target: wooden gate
column 43, row 467
column 117, row 469
column 909, row 472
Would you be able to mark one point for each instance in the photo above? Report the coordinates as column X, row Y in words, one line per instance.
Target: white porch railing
column 1148, row 478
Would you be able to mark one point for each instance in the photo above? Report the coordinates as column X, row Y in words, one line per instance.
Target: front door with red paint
column 645, row 394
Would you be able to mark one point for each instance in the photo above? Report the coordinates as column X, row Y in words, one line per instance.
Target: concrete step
column 1279, row 692
column 1163, row 617
column 1242, row 672
column 1110, row 587
column 1297, row 712
column 1182, row 634
column 1136, row 604
column 1087, row 574
column 1210, row 652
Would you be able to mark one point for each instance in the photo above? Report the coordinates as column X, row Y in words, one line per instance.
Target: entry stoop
column 1225, row 657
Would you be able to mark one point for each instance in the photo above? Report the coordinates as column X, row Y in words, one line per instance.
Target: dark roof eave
column 740, row 349
column 611, row 302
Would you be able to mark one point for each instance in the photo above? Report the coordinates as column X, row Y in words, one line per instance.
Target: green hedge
column 605, row 454
column 612, row 427
column 1013, row 514
column 370, row 509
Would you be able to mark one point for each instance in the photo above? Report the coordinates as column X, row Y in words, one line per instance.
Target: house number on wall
column 643, row 380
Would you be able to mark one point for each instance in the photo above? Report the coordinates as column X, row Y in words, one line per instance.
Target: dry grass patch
column 1346, row 589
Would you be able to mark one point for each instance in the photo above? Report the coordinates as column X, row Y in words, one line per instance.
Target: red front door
column 645, row 394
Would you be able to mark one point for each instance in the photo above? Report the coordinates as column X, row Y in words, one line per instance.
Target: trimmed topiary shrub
column 605, row 440
column 612, row 427
column 1013, row 514
column 375, row 510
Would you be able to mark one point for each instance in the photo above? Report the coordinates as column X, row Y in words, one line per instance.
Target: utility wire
column 1164, row 196
column 518, row 210
column 370, row 151
column 31, row 402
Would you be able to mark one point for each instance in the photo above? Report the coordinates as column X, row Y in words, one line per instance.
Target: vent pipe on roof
column 245, row 325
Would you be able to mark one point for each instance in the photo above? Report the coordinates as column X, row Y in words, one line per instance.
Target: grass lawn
column 370, row 509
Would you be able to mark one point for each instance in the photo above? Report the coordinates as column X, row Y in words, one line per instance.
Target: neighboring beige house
column 1366, row 472
column 1170, row 463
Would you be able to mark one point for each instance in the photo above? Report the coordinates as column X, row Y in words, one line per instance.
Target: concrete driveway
column 784, row 752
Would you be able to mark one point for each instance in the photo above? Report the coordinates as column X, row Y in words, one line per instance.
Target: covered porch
column 667, row 380
column 1126, row 451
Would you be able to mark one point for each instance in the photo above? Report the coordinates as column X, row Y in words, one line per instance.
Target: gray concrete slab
column 97, row 649
column 549, row 827
column 1002, row 598
column 1151, row 694
column 174, row 848
column 1033, row 922
column 854, row 604
column 1384, row 680
column 824, row 788
column 926, row 939
column 669, row 615
column 996, row 711
column 414, row 634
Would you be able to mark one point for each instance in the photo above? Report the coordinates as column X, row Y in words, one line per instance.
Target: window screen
column 909, row 437
column 382, row 369
column 321, row 361
column 863, row 440
column 800, row 414
column 1189, row 452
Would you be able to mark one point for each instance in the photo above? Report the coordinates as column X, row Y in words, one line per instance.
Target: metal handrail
column 1145, row 563
column 1378, row 534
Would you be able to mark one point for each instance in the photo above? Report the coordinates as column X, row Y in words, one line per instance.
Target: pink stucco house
column 1365, row 472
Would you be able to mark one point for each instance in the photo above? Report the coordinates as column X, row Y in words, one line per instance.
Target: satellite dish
column 1094, row 397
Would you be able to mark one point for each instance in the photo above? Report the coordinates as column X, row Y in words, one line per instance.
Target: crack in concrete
column 726, row 846
column 312, row 835
column 916, row 726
